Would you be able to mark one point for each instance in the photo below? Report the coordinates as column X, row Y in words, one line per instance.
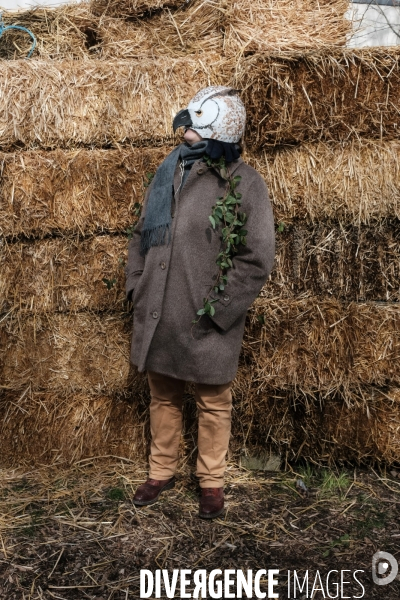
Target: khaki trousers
column 214, row 405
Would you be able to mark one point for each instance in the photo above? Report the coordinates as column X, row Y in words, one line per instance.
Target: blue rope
column 4, row 28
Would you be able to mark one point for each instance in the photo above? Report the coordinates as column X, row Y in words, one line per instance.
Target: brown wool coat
column 167, row 287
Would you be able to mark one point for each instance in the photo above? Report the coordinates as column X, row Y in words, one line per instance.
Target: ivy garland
column 225, row 213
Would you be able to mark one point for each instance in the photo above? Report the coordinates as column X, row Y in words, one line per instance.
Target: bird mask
column 215, row 113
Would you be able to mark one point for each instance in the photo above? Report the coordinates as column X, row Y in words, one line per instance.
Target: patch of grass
column 370, row 518
column 308, row 474
column 332, row 483
column 342, row 542
column 116, row 494
column 327, row 481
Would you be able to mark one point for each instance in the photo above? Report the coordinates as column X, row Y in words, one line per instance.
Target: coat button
column 200, row 171
column 226, row 297
column 163, row 265
column 155, row 315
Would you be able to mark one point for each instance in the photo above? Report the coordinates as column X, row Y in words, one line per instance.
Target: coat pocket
column 204, row 328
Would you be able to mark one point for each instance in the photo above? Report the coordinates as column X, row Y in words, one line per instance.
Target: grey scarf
column 157, row 220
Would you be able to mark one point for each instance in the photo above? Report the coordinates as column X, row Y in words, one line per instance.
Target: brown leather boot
column 148, row 492
column 211, row 503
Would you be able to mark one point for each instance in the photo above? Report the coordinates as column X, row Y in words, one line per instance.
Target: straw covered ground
column 82, row 192
column 75, row 274
column 106, row 103
column 46, row 427
column 73, row 532
column 310, row 343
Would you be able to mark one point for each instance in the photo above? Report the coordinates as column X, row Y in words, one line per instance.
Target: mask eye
column 198, row 112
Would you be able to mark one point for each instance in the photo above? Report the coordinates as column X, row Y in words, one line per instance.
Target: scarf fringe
column 154, row 237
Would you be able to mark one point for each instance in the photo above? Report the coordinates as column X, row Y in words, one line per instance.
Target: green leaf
column 201, row 311
column 281, row 227
column 212, row 311
column 212, row 221
column 109, row 283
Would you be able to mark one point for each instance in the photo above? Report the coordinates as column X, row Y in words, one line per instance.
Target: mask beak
column 182, row 119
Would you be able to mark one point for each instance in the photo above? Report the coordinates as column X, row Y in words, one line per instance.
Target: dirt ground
column 73, row 533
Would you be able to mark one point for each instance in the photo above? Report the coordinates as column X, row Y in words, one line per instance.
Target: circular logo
column 384, row 568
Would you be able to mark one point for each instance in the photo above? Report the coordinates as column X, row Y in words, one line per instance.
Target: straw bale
column 71, row 273
column 43, row 427
column 371, row 432
column 53, row 428
column 354, row 426
column 289, row 100
column 285, row 25
column 336, row 260
column 104, row 103
column 88, row 191
column 64, row 32
column 322, row 344
column 321, row 96
column 353, row 182
column 196, row 28
column 61, row 274
column 115, row 29
column 130, row 8
column 76, row 192
column 312, row 344
column 65, row 353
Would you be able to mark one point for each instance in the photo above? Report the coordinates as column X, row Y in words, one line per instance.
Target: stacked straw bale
column 68, row 273
column 107, row 103
column 85, row 192
column 78, row 192
column 358, row 425
column 332, row 96
column 104, row 103
column 310, row 344
column 321, row 349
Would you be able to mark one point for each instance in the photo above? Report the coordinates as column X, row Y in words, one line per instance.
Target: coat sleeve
column 253, row 262
column 135, row 265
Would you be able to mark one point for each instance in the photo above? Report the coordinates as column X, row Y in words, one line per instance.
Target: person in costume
column 204, row 206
